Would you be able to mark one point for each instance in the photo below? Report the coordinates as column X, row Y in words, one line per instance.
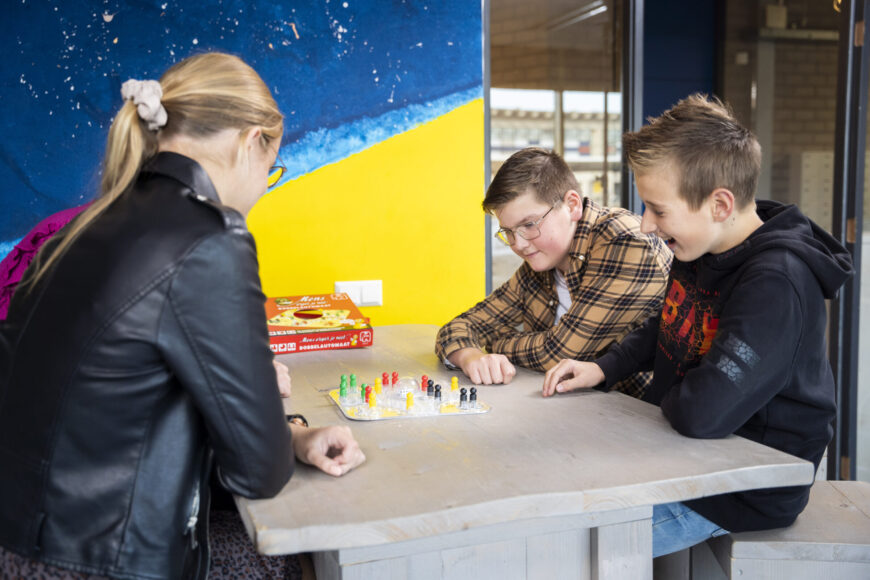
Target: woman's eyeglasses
column 275, row 175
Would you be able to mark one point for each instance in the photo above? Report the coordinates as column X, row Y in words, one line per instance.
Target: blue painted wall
column 334, row 67
column 679, row 51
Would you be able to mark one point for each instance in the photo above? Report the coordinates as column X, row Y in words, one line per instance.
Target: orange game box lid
column 316, row 322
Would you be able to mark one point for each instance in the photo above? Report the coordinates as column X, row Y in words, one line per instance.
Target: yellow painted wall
column 405, row 211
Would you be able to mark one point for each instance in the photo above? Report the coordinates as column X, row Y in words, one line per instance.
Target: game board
column 392, row 397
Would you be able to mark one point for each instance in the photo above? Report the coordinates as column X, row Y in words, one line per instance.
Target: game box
column 316, row 322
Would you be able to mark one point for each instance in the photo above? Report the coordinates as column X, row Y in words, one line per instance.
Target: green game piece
column 342, row 390
column 352, row 381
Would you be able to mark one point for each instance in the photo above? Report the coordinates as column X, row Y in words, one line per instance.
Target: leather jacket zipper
column 194, row 517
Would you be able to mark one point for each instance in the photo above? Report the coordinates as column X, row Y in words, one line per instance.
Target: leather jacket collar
column 184, row 170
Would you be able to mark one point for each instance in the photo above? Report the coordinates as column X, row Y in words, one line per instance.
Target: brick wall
column 526, row 54
column 804, row 98
column 804, row 115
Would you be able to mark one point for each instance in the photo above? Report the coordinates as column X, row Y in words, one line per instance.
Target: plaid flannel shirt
column 616, row 280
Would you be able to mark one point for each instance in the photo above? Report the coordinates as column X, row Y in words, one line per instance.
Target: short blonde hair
column 202, row 95
column 701, row 138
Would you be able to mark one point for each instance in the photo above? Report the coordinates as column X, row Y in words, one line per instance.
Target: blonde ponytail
column 129, row 145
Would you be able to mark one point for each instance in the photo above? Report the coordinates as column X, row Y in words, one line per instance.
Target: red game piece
column 395, row 377
column 368, row 393
column 385, row 379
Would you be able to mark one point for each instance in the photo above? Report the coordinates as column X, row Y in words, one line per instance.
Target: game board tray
column 393, row 410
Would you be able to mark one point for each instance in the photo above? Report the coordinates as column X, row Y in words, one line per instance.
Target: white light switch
column 363, row 292
column 352, row 289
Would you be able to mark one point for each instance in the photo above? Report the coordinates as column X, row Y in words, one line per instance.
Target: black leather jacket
column 143, row 350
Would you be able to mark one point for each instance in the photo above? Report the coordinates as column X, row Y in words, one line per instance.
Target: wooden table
column 536, row 488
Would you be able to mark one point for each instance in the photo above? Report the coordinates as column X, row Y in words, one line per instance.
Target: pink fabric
column 16, row 262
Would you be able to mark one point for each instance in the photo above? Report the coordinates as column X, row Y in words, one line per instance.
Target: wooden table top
column 529, row 457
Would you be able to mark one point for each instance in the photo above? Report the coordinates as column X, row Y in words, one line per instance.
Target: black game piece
column 462, row 396
column 430, row 390
column 473, row 397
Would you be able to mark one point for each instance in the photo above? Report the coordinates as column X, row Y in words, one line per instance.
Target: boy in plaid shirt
column 589, row 277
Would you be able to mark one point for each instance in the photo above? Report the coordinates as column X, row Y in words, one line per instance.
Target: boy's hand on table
column 570, row 375
column 282, row 373
column 332, row 450
column 483, row 368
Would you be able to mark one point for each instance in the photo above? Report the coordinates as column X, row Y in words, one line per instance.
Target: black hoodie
column 740, row 348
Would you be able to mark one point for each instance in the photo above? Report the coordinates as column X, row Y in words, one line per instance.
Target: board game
column 394, row 397
column 316, row 322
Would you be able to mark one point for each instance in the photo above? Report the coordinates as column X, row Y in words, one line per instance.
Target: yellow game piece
column 409, row 401
column 373, row 401
column 378, row 385
column 454, row 383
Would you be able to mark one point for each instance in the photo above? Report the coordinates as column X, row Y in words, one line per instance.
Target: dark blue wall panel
column 679, row 51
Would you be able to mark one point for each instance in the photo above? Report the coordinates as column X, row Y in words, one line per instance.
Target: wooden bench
column 829, row 540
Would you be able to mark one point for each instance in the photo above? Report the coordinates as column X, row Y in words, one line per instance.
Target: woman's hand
column 332, row 450
column 282, row 373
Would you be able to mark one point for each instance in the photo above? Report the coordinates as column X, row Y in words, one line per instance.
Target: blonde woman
column 135, row 356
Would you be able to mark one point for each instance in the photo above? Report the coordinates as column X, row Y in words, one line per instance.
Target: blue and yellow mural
column 383, row 131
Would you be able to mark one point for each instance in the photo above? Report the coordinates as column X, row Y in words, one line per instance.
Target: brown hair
column 202, row 95
column 701, row 138
column 533, row 168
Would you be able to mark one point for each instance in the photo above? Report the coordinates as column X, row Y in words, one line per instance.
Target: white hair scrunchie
column 146, row 96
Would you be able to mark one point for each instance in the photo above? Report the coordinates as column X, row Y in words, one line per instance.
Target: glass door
column 554, row 77
column 780, row 73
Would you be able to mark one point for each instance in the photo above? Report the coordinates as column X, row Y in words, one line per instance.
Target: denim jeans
column 676, row 527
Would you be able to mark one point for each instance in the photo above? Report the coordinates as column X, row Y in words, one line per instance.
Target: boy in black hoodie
column 740, row 344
